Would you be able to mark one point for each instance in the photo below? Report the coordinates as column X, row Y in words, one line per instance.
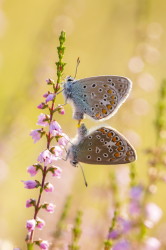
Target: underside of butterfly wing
column 99, row 97
column 105, row 146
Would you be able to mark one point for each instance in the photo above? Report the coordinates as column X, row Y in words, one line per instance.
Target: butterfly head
column 72, row 154
column 69, row 81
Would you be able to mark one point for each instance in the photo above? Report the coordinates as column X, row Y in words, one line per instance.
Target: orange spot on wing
column 102, row 130
column 114, row 139
column 112, row 159
column 109, row 106
column 109, row 134
column 120, row 148
column 104, row 111
column 117, row 154
column 112, row 102
column 118, row 143
column 128, row 153
column 109, row 91
column 97, row 115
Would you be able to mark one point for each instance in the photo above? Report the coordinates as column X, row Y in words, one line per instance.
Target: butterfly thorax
column 68, row 86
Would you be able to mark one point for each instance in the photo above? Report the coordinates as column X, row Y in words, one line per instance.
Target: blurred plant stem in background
column 76, row 232
column 61, row 226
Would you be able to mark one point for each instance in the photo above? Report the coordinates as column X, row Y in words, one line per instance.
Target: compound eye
column 74, row 163
column 70, row 79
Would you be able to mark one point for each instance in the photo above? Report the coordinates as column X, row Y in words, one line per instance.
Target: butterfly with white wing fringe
column 98, row 97
column 103, row 146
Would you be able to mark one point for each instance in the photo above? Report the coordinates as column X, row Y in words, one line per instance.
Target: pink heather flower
column 43, row 120
column 41, row 105
column 50, row 97
column 55, row 128
column 63, row 140
column 56, row 171
column 30, row 184
column 49, row 187
column 153, row 214
column 49, row 81
column 123, row 225
column 44, row 245
column 36, row 135
column 50, row 207
column 45, row 157
column 152, row 243
column 61, row 110
column 122, row 245
column 114, row 234
column 136, row 192
column 57, row 151
column 134, row 208
column 32, row 170
column 30, row 203
column 40, row 223
column 30, row 225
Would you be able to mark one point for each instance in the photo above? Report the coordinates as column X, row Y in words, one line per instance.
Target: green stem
column 30, row 246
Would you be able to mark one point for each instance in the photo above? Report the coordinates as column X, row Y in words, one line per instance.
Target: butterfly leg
column 79, row 123
column 78, row 116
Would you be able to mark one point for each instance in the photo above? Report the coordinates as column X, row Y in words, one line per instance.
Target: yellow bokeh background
column 111, row 38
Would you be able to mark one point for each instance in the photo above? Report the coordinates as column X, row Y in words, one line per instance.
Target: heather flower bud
column 61, row 110
column 40, row 223
column 45, row 157
column 50, row 97
column 31, row 184
column 49, row 187
column 50, row 81
column 43, row 120
column 42, row 106
column 136, row 192
column 30, row 203
column 49, row 207
column 63, row 141
column 36, row 134
column 56, row 151
column 32, row 170
column 55, row 128
column 30, row 225
column 44, row 245
column 56, row 171
column 122, row 244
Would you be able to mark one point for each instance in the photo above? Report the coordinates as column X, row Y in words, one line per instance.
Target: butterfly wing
column 105, row 146
column 99, row 97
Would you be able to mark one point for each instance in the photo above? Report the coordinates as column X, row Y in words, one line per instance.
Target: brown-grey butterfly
column 98, row 97
column 104, row 146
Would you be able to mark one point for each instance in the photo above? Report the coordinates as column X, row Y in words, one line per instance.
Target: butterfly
column 98, row 97
column 103, row 146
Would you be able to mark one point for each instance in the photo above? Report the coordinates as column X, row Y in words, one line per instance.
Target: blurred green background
column 111, row 37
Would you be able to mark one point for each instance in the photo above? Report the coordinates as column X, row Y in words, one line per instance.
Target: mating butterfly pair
column 99, row 97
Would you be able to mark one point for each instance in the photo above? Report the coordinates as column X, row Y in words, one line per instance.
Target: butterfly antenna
column 59, row 92
column 85, row 181
column 78, row 62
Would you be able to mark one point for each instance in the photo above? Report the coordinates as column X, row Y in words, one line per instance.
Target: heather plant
column 55, row 143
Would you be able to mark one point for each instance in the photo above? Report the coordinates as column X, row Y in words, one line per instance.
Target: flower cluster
column 56, row 140
column 130, row 223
